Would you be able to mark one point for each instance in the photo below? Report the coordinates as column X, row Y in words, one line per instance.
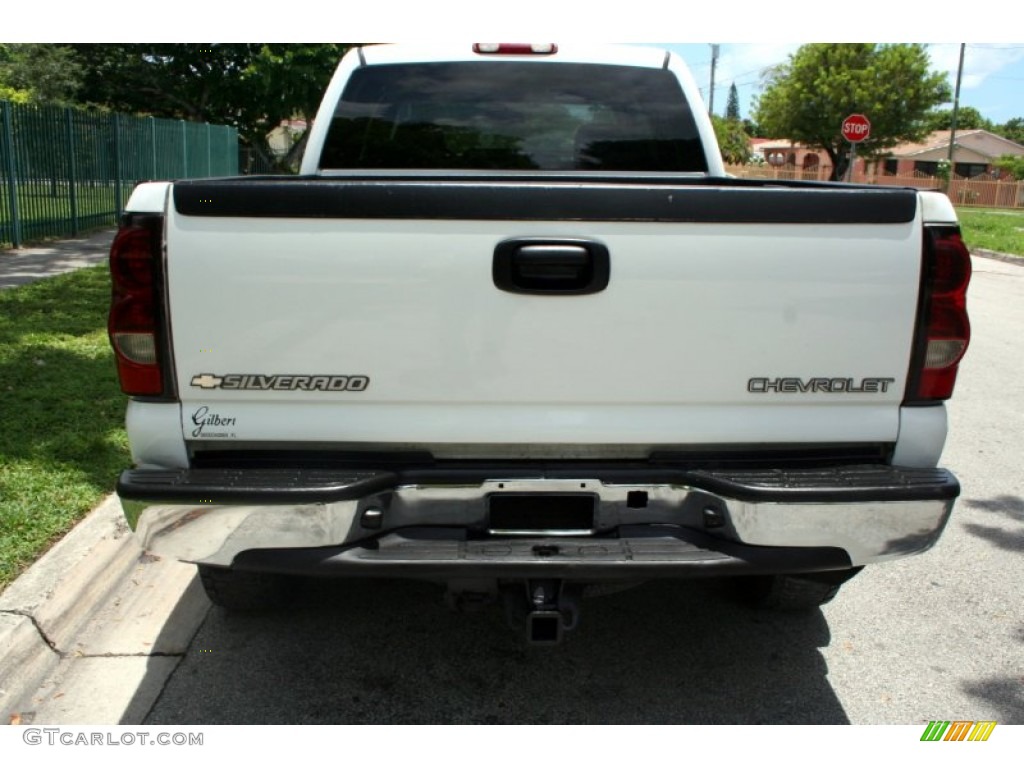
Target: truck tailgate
column 343, row 312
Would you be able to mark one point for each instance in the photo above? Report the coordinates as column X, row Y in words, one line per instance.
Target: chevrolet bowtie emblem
column 206, row 381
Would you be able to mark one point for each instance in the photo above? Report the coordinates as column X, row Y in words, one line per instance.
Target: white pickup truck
column 513, row 329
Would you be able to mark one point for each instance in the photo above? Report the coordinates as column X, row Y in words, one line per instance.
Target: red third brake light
column 134, row 320
column 942, row 340
column 535, row 49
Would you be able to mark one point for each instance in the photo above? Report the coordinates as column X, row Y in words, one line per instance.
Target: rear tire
column 792, row 593
column 244, row 591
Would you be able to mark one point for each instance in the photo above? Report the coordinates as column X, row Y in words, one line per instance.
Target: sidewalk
column 25, row 265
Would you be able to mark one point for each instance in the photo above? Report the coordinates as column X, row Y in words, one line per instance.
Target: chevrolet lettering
column 793, row 385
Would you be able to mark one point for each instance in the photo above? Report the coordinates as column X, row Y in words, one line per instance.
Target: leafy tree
column 1012, row 129
column 733, row 141
column 252, row 86
column 967, row 119
column 14, row 95
column 1012, row 164
column 39, row 72
column 290, row 81
column 732, row 106
column 806, row 98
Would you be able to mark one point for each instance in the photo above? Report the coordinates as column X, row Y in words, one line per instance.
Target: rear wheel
column 790, row 592
column 244, row 591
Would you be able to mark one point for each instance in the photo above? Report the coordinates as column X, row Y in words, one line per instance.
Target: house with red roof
column 975, row 153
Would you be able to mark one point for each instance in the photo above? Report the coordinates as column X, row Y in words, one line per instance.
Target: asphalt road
column 938, row 636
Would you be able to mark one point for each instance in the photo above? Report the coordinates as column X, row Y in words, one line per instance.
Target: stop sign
column 856, row 128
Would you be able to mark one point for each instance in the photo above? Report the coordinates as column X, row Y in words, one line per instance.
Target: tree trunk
column 840, row 160
column 293, row 159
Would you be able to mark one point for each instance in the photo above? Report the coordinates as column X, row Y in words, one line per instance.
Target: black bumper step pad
column 638, row 552
column 251, row 486
column 837, row 484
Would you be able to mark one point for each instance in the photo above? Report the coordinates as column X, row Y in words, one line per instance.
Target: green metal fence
column 65, row 170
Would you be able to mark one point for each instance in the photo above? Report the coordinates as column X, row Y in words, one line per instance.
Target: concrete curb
column 43, row 611
column 996, row 255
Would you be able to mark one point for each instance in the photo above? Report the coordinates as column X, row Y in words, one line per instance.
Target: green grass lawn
column 994, row 230
column 62, row 438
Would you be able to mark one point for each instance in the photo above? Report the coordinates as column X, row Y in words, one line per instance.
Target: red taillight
column 134, row 320
column 945, row 329
column 531, row 49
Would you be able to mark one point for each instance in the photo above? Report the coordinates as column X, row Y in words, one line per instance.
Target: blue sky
column 993, row 79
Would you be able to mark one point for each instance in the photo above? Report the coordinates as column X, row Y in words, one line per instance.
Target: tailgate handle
column 563, row 267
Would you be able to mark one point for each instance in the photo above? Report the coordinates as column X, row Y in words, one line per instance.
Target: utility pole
column 711, row 90
column 952, row 122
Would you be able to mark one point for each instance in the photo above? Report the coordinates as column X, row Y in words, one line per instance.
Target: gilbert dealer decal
column 214, row 424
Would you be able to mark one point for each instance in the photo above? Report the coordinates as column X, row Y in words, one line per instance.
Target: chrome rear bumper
column 663, row 523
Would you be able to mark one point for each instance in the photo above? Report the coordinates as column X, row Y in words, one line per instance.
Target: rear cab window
column 513, row 116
